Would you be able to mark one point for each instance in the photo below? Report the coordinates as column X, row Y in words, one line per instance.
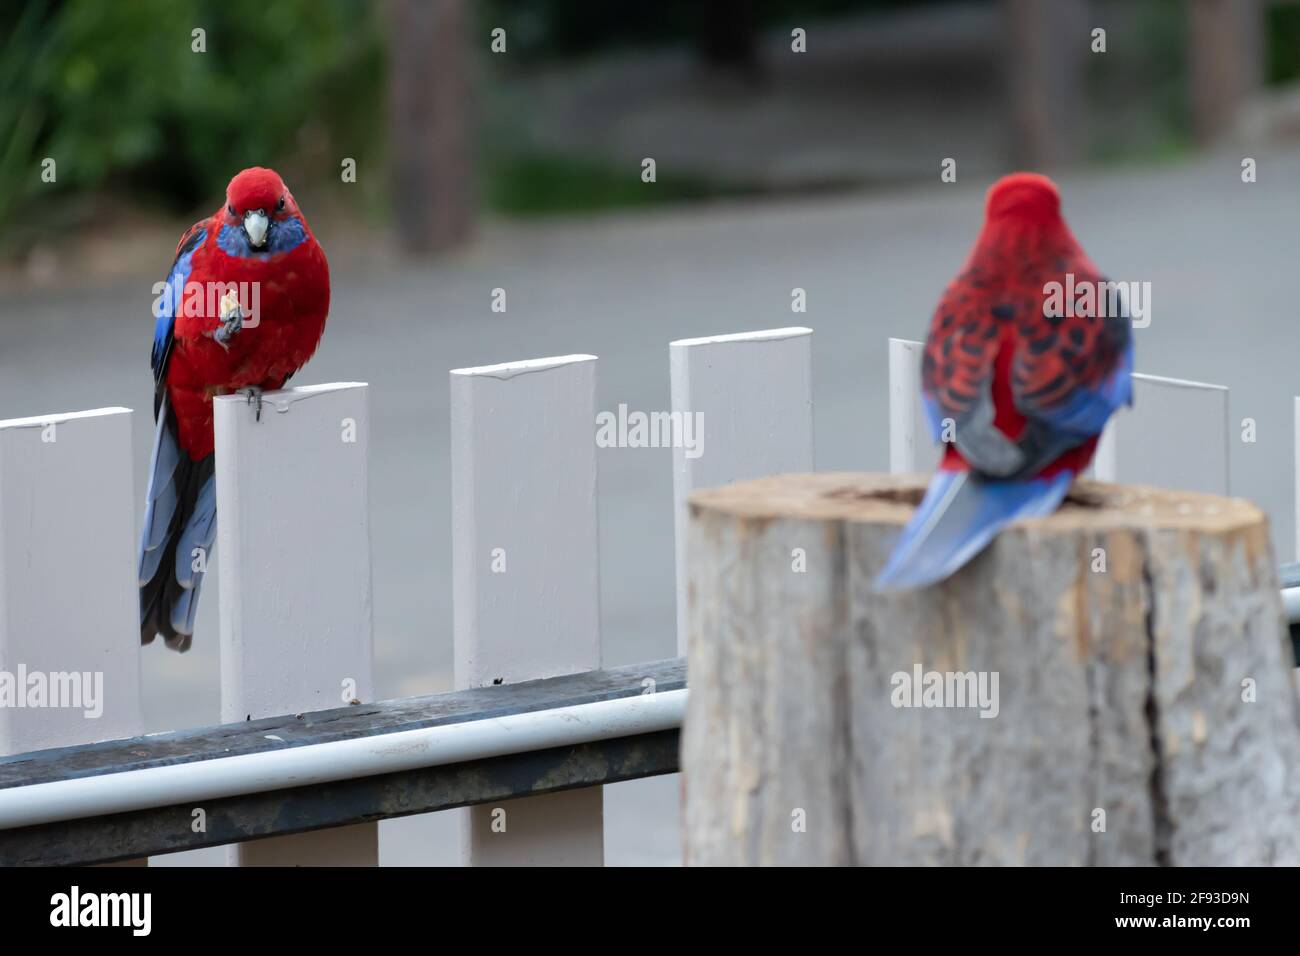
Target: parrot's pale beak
column 256, row 225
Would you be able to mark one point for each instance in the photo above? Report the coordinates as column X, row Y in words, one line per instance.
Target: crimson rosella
column 256, row 250
column 1015, row 380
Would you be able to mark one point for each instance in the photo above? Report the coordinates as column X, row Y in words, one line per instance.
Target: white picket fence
column 294, row 541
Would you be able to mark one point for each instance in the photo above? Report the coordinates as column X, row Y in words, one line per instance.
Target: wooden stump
column 1130, row 649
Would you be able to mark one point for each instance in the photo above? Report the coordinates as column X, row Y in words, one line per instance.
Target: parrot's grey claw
column 230, row 324
column 255, row 399
column 232, row 320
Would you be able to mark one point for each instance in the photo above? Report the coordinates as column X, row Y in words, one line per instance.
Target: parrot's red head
column 255, row 199
column 1024, row 196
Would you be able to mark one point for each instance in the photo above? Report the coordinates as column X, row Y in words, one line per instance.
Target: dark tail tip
column 156, row 623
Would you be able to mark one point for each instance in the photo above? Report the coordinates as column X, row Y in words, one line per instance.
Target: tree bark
column 1046, row 50
column 430, row 130
column 1143, row 710
column 1225, row 62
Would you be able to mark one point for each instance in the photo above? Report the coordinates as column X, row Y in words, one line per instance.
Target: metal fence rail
column 1289, row 575
column 255, row 779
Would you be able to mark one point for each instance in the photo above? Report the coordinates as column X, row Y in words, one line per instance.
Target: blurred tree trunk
column 728, row 36
column 430, row 125
column 1225, row 60
column 1047, row 44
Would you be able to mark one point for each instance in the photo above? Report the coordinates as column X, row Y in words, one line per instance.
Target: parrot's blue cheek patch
column 283, row 237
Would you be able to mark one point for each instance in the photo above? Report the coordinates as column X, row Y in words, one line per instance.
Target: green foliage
column 21, row 118
column 565, row 28
column 1155, row 125
column 1282, row 43
column 530, row 184
column 118, row 96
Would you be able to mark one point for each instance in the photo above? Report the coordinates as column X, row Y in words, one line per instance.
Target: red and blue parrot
column 1017, row 386
column 256, row 249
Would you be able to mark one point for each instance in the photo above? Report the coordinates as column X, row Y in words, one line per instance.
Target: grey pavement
column 1216, row 251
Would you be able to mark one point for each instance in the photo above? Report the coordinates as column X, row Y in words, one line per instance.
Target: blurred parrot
column 256, row 250
column 1015, row 380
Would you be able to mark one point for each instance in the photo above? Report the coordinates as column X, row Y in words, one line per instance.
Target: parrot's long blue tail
column 958, row 517
column 180, row 523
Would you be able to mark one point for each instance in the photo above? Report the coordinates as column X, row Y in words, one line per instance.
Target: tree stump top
column 890, row 500
column 1108, row 685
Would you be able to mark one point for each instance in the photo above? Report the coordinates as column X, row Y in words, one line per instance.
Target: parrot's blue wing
column 161, row 498
column 933, row 417
column 180, row 506
column 1086, row 410
column 195, row 542
column 199, row 533
column 1075, row 371
column 170, row 301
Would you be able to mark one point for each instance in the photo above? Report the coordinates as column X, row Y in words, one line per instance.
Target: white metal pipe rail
column 1290, row 580
column 291, row 774
column 205, row 780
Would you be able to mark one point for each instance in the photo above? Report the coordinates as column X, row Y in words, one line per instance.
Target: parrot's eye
column 280, row 205
column 231, row 209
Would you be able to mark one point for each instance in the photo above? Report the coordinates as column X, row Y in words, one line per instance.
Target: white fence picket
column 911, row 449
column 68, row 578
column 1295, row 475
column 526, row 579
column 752, row 394
column 69, row 610
column 1175, row 435
column 293, row 545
